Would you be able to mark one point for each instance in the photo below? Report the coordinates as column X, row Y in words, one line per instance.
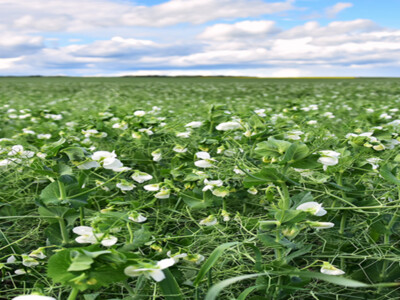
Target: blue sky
column 277, row 38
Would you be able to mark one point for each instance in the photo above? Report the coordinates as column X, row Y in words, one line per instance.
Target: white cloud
column 332, row 11
column 78, row 15
column 242, row 30
column 13, row 45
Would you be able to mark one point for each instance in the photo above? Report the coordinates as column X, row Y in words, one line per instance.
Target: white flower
column 252, row 191
column 108, row 160
column 137, row 217
column 29, row 261
column 328, row 269
column 321, row 225
column 148, row 270
column 28, row 131
column 369, row 110
column 225, row 215
column 228, row 126
column 156, row 155
column 195, row 124
column 184, row 135
column 312, row 207
column 152, row 187
column 260, row 112
column 205, row 163
column 385, row 116
column 136, row 135
column 312, row 122
column 33, row 297
column 121, row 125
column 148, row 131
column 141, row 176
column 86, row 235
column 11, row 259
column 329, row 115
column 209, row 221
column 44, row 136
column 294, row 135
column 210, row 184
column 238, row 171
column 139, row 113
column 176, row 256
column 196, row 258
column 163, row 194
column 125, row 186
column 220, row 191
column 179, row 149
column 329, row 158
column 203, row 155
column 38, row 253
column 18, row 150
column 374, row 162
column 20, row 272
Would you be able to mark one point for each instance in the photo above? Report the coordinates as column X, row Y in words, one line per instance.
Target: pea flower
column 329, row 269
column 228, row 126
column 321, row 225
column 18, row 150
column 314, row 208
column 329, row 158
column 152, row 187
column 86, row 235
column 33, row 297
column 150, row 270
column 206, row 160
column 176, row 256
column 125, row 186
column 164, row 193
column 294, row 135
column 374, row 162
column 29, row 261
column 139, row 113
column 107, row 159
column 179, row 149
column 141, row 177
column 195, row 124
column 137, row 217
column 156, row 155
column 210, row 184
column 209, row 221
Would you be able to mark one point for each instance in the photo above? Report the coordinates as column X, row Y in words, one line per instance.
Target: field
column 199, row 188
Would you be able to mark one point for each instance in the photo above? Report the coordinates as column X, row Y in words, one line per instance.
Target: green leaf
column 51, row 194
column 338, row 280
column 290, row 216
column 309, row 162
column 208, row 264
column 387, row 174
column 140, row 237
column 80, row 262
column 295, row 152
column 265, row 176
column 169, row 287
column 74, row 153
column 272, row 148
column 58, row 265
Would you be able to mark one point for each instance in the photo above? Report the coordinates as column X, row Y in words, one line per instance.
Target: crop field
column 199, row 188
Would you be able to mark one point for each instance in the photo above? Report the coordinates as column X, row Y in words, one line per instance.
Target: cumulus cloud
column 244, row 29
column 332, row 11
column 78, row 15
column 13, row 45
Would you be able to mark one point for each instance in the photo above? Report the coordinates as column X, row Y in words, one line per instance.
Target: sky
column 274, row 38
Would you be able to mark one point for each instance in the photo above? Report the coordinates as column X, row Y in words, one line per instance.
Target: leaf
column 74, row 153
column 265, row 176
column 247, row 291
column 51, row 194
column 310, row 162
column 272, row 148
column 338, row 280
column 387, row 174
column 58, row 265
column 290, row 216
column 140, row 237
column 208, row 264
column 169, row 287
column 295, row 152
column 80, row 262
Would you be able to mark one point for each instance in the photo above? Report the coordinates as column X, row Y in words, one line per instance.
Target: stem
column 63, row 229
column 343, row 219
column 128, row 288
column 61, row 188
column 73, row 294
column 81, row 215
column 130, row 233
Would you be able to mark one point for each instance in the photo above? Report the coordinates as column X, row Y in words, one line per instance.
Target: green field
column 200, row 188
